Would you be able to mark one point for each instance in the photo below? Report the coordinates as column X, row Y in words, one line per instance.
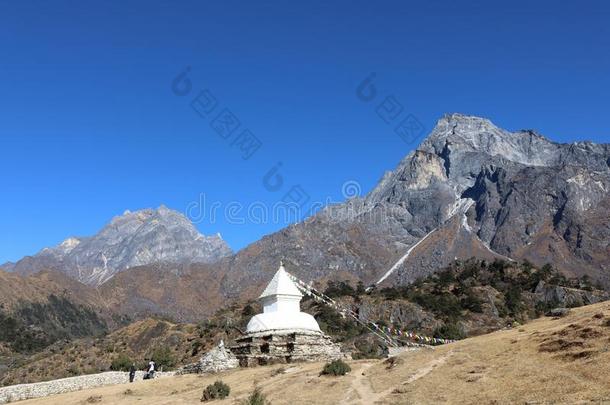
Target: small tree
column 512, row 300
column 336, row 367
column 218, row 390
column 248, row 311
column 162, row 356
column 336, row 289
column 122, row 362
column 546, row 272
column 360, row 288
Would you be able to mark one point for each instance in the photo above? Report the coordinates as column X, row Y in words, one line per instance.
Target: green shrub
column 471, row 302
column 440, row 303
column 332, row 323
column 498, row 265
column 360, row 288
column 471, row 271
column 218, row 390
column 122, row 362
column 248, row 311
column 162, row 356
column 395, row 292
column 445, row 278
column 256, row 398
column 512, row 300
column 337, row 289
column 336, row 367
column 449, row 331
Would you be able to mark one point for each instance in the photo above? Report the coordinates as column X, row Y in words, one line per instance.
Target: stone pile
column 216, row 360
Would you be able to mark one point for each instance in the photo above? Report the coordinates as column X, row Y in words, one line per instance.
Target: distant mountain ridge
column 470, row 189
column 129, row 240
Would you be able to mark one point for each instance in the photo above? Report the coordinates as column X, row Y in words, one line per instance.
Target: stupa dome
column 281, row 308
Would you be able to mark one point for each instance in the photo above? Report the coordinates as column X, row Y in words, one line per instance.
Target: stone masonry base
column 284, row 347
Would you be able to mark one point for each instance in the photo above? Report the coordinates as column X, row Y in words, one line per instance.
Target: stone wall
column 395, row 351
column 284, row 347
column 42, row 389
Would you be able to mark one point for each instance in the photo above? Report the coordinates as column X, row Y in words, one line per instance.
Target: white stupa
column 281, row 308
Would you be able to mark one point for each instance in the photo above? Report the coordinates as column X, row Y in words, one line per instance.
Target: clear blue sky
column 90, row 127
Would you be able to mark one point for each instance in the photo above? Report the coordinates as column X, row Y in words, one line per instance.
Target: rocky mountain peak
column 133, row 239
column 461, row 123
column 67, row 245
column 506, row 191
column 469, row 134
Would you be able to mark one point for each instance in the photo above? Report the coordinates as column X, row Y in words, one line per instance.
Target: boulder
column 559, row 312
column 568, row 297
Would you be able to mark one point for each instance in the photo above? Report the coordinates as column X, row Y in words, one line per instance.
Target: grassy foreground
column 564, row 360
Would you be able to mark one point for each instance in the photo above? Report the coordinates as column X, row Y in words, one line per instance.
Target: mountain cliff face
column 521, row 195
column 470, row 189
column 132, row 239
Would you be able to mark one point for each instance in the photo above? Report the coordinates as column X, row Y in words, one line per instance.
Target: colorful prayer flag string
column 385, row 333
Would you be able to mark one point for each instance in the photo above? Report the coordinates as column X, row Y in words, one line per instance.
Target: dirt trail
column 422, row 372
column 361, row 385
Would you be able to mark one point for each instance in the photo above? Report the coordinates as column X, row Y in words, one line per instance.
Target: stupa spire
column 281, row 284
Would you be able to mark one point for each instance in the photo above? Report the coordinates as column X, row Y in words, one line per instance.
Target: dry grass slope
column 564, row 360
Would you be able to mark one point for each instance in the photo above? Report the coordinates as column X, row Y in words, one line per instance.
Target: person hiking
column 151, row 369
column 132, row 372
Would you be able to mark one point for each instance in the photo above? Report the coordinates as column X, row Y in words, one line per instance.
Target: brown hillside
column 550, row 360
column 15, row 289
column 185, row 293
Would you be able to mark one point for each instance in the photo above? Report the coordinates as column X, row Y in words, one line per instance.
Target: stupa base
column 284, row 346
